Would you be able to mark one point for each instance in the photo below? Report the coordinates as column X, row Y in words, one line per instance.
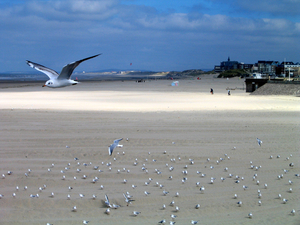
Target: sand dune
column 186, row 122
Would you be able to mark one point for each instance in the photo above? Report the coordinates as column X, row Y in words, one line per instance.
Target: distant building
column 245, row 66
column 267, row 67
column 288, row 68
column 227, row 65
column 231, row 65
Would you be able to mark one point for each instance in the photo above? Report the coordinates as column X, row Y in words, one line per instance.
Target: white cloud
column 276, row 8
column 88, row 6
column 89, row 14
column 46, row 27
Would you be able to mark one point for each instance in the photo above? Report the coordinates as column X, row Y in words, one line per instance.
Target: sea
column 112, row 75
column 11, row 77
column 21, row 77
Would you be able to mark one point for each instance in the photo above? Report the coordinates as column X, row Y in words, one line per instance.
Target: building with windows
column 227, row 65
column 267, row 67
column 288, row 69
column 231, row 65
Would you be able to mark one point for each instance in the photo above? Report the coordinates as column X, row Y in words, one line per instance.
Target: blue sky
column 158, row 35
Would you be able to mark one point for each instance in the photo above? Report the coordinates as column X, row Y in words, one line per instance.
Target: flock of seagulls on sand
column 82, row 168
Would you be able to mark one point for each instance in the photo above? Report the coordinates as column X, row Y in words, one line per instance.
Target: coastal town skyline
column 146, row 35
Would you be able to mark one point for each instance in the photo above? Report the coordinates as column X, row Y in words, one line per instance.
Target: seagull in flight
column 259, row 142
column 62, row 79
column 107, row 203
column 128, row 201
column 114, row 145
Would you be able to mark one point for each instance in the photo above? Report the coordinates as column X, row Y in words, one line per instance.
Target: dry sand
column 185, row 121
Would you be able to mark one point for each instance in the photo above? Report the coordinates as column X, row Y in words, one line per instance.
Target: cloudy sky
column 158, row 35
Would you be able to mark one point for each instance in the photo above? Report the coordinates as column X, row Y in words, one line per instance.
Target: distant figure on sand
column 228, row 92
column 212, row 91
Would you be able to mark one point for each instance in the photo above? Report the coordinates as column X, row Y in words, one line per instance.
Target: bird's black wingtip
column 29, row 63
column 89, row 57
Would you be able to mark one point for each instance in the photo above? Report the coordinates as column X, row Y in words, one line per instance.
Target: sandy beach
column 180, row 131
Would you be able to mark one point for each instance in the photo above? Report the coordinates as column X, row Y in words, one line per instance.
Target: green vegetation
column 210, row 72
column 233, row 73
column 194, row 73
column 171, row 74
column 141, row 73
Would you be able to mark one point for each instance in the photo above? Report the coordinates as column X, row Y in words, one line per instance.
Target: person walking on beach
column 212, row 91
column 228, row 92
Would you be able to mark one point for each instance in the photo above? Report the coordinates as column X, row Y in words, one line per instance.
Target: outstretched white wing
column 107, row 201
column 126, row 199
column 259, row 141
column 113, row 146
column 67, row 71
column 49, row 72
column 116, row 142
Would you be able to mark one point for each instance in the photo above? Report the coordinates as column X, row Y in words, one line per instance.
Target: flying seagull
column 114, row 145
column 128, row 201
column 259, row 142
column 107, row 201
column 62, row 79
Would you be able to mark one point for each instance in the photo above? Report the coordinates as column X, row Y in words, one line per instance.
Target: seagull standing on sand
column 114, row 145
column 173, row 216
column 202, row 189
column 135, row 213
column 293, row 212
column 62, row 79
column 259, row 203
column 114, row 206
column 107, row 211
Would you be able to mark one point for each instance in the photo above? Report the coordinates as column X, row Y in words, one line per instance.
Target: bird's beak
column 44, row 85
